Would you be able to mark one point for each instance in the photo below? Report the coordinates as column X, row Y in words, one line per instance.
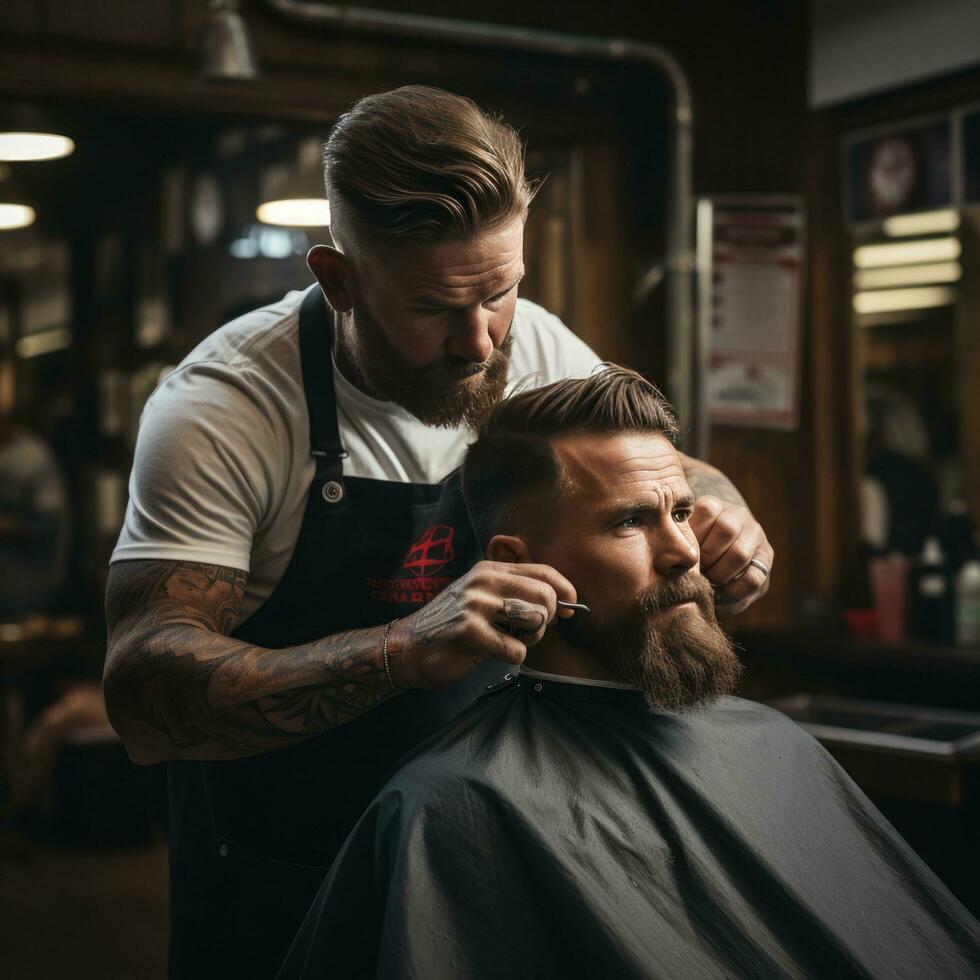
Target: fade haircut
column 512, row 475
column 419, row 164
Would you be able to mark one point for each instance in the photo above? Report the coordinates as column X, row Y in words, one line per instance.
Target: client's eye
column 631, row 521
column 682, row 515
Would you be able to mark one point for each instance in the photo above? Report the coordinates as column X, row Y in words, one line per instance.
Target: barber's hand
column 731, row 538
column 493, row 612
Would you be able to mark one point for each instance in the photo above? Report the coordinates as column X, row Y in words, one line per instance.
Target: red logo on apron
column 432, row 552
column 421, row 581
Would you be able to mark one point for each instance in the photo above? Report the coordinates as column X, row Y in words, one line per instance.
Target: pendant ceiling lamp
column 226, row 49
column 15, row 208
column 26, row 133
column 292, row 193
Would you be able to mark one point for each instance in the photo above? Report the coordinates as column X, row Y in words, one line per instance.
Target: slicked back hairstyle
column 420, row 164
column 512, row 475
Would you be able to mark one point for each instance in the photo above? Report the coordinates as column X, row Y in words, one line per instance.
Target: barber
column 297, row 597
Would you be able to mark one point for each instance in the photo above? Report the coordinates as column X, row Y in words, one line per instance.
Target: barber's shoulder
column 249, row 369
column 544, row 346
column 201, row 394
column 534, row 322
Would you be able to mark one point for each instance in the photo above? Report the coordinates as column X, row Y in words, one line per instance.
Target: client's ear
column 332, row 272
column 508, row 547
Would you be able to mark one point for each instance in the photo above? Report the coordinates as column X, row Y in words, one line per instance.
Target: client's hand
column 493, row 612
column 735, row 553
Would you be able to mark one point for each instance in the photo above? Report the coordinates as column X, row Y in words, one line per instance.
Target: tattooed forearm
column 178, row 687
column 705, row 480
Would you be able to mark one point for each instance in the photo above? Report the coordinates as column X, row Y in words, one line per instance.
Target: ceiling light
column 292, row 192
column 46, row 342
column 17, row 147
column 14, row 216
column 907, row 253
column 893, row 300
column 16, row 207
column 924, row 223
column 305, row 212
column 28, row 132
column 908, row 275
column 226, row 49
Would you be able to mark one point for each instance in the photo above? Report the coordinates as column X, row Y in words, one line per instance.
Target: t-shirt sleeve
column 547, row 350
column 206, row 466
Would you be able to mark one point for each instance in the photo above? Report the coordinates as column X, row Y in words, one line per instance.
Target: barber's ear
column 508, row 547
column 333, row 273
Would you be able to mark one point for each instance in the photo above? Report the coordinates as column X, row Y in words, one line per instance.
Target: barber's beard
column 686, row 663
column 446, row 394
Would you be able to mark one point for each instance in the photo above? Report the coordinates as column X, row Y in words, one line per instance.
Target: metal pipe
column 682, row 384
column 704, row 319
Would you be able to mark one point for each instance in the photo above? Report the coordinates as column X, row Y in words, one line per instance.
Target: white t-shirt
column 222, row 466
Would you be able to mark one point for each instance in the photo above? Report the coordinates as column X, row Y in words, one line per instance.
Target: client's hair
column 421, row 164
column 512, row 470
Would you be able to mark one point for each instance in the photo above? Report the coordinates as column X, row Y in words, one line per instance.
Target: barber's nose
column 677, row 551
column 470, row 337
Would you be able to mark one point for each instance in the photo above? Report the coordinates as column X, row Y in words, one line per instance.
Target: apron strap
column 316, row 359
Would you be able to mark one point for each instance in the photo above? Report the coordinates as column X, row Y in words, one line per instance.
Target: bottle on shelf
column 930, row 595
column 957, row 534
column 889, row 576
column 968, row 604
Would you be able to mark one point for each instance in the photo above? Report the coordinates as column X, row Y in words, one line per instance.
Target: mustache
column 457, row 369
column 690, row 587
column 454, row 368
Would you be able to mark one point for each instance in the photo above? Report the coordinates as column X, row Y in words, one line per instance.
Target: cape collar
column 566, row 679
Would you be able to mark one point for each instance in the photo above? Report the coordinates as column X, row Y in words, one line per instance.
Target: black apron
column 251, row 839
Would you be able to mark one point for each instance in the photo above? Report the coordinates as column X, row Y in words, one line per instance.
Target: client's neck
column 554, row 656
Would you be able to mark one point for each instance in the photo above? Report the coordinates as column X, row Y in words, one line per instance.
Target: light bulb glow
column 924, row 223
column 15, row 216
column 907, row 253
column 908, row 275
column 34, row 146
column 308, row 212
column 894, row 300
column 46, row 342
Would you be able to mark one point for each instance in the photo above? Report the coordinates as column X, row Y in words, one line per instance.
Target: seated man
column 613, row 811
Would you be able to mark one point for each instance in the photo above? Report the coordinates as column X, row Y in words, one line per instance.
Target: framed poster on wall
column 757, row 265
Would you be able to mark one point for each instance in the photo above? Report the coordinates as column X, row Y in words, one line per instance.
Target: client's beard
column 690, row 662
column 437, row 394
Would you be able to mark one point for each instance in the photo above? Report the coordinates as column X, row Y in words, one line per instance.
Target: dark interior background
column 84, row 876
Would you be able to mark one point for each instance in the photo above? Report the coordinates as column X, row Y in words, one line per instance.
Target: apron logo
column 420, row 581
column 432, row 552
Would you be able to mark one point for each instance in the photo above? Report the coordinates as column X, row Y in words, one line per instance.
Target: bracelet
column 384, row 651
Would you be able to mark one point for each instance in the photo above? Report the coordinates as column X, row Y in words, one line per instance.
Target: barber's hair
column 511, row 475
column 420, row 164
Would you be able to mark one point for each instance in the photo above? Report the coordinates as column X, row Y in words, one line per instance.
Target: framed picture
column 899, row 169
column 757, row 276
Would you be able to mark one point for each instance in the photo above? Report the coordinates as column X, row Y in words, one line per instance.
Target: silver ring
column 753, row 562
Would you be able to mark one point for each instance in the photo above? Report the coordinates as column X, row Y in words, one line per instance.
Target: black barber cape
column 561, row 830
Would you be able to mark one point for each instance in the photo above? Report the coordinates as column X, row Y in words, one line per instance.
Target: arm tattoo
column 177, row 686
column 704, row 480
